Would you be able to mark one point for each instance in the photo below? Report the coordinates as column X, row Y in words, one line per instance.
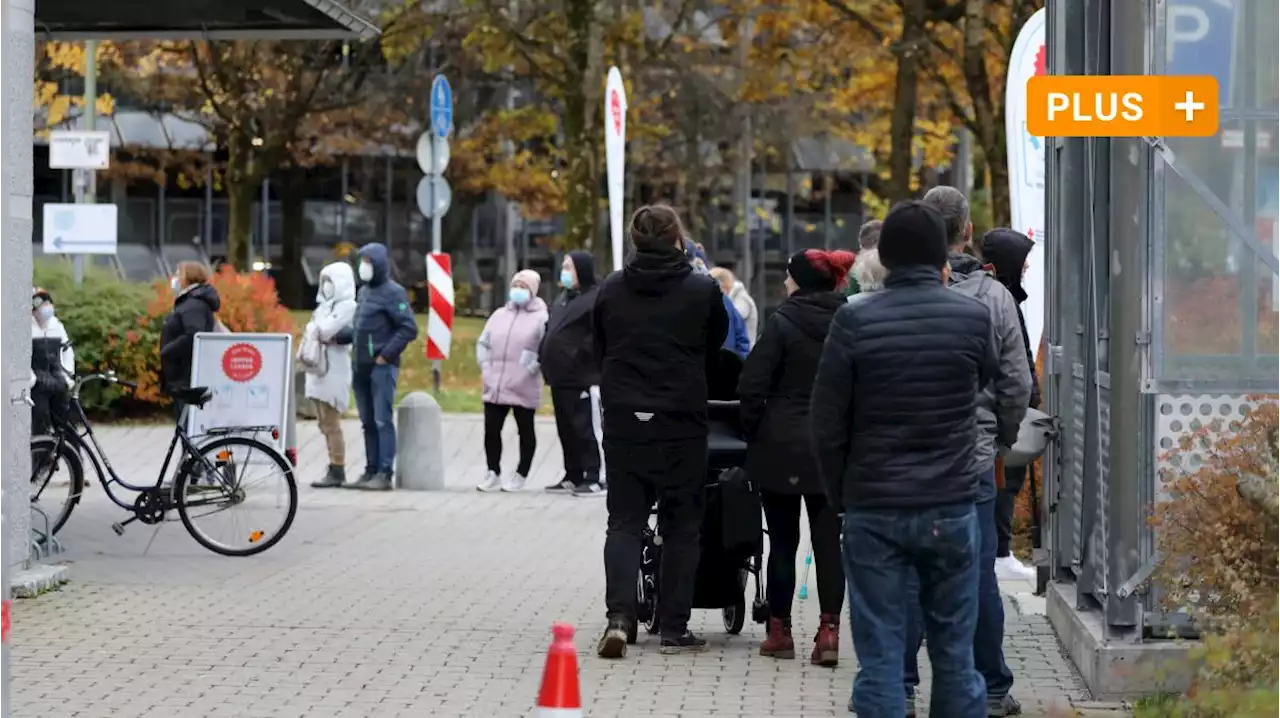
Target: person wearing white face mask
column 193, row 312
column 329, row 383
column 508, row 355
column 383, row 326
column 53, row 363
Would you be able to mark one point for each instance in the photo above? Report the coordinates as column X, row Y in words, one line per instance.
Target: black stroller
column 732, row 527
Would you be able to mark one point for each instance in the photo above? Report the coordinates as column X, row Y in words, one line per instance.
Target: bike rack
column 43, row 543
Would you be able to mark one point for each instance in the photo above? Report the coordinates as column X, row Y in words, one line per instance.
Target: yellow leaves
column 55, row 62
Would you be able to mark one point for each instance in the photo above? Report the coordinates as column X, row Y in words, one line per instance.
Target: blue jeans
column 375, row 389
column 988, row 639
column 883, row 550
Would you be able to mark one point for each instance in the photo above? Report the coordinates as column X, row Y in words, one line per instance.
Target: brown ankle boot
column 826, row 645
column 779, row 643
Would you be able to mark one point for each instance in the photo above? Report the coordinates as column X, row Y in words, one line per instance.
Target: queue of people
column 883, row 413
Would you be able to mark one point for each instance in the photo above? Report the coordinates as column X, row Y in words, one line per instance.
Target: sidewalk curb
column 39, row 579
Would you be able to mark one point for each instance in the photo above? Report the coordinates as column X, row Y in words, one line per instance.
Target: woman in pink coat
column 508, row 356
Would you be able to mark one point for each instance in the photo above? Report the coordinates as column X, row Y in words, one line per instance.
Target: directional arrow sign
column 441, row 106
column 79, row 228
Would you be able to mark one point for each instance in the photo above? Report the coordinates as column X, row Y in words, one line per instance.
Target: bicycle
column 215, row 462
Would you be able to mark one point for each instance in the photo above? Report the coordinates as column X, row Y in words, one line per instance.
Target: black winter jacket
column 193, row 312
column 658, row 326
column 567, row 352
column 893, row 408
column 774, row 389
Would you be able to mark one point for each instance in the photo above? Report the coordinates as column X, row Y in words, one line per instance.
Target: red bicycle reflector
column 4, row 622
column 275, row 433
column 292, row 456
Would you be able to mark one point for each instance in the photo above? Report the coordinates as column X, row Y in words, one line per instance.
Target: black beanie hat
column 913, row 234
column 806, row 276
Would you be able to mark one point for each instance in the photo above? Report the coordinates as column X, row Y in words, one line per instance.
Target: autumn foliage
column 1219, row 556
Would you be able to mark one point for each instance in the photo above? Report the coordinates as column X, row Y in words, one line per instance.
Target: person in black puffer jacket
column 193, row 312
column 658, row 324
column 569, row 367
column 774, row 391
column 895, row 433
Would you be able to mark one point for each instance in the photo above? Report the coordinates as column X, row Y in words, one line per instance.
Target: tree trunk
column 902, row 123
column 292, row 286
column 580, row 150
column 242, row 185
column 986, row 110
column 240, row 196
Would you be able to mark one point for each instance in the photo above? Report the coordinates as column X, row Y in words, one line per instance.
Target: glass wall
column 1215, row 324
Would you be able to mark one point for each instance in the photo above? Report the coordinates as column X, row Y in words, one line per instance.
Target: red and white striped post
column 440, row 316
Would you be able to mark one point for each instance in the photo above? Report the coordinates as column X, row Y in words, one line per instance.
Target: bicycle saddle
column 196, row 396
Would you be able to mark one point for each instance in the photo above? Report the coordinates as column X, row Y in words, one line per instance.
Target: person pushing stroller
column 657, row 326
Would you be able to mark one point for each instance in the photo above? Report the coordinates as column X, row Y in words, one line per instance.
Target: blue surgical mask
column 566, row 279
column 519, row 296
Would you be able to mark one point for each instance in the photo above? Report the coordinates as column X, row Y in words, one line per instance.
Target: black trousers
column 49, row 408
column 1014, row 478
column 574, row 425
column 495, row 415
column 672, row 473
column 782, row 514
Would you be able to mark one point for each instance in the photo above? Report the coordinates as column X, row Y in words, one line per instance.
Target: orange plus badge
column 1122, row 106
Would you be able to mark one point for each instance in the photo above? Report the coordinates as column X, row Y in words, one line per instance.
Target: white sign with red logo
column 1026, row 167
column 250, row 375
column 615, row 153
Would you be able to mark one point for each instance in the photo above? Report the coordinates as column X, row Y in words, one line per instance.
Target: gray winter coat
column 1003, row 402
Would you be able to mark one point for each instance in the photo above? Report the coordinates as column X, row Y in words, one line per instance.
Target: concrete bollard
column 420, row 450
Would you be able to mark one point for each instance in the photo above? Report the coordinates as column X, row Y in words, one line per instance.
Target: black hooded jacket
column 774, row 388
column 1006, row 250
column 657, row 327
column 193, row 312
column 567, row 353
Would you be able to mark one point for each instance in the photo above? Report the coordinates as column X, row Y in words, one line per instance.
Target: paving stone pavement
column 399, row 604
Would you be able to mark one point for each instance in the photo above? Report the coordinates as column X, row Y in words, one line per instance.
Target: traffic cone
column 559, row 697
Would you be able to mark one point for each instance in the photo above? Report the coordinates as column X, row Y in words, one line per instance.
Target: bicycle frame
column 99, row 458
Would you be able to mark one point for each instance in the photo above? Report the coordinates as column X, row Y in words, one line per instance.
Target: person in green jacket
column 868, row 238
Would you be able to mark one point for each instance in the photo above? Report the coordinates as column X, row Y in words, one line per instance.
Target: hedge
column 116, row 324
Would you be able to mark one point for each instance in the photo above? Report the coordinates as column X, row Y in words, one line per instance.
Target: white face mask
column 366, row 272
column 44, row 313
column 174, row 284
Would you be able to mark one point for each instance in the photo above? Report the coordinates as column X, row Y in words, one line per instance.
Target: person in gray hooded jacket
column 1001, row 406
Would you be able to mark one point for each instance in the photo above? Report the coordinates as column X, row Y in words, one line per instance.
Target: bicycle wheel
column 57, row 481
column 237, row 491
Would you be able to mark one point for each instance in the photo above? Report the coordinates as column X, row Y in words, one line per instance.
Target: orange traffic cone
column 559, row 697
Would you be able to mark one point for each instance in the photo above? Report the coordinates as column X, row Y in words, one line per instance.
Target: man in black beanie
column 894, row 433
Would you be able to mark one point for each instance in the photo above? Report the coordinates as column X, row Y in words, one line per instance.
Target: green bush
column 94, row 314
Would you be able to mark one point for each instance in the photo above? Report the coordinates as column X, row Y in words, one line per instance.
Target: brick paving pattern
column 400, row 604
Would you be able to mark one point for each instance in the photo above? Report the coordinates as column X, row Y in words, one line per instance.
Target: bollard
column 420, row 450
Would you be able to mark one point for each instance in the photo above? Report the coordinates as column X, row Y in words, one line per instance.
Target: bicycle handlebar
column 109, row 377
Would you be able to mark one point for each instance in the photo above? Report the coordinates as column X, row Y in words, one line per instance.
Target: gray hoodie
column 1004, row 401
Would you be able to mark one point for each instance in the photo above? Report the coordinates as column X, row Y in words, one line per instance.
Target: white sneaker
column 1009, row 567
column 514, row 483
column 491, row 482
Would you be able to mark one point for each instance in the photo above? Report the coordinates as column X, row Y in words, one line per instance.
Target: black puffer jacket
column 658, row 326
column 192, row 313
column 567, row 354
column 893, row 408
column 774, row 388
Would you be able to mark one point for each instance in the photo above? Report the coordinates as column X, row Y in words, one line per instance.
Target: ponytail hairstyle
column 820, row 270
column 656, row 228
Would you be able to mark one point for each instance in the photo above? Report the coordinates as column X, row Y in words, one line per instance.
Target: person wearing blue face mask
column 569, row 367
